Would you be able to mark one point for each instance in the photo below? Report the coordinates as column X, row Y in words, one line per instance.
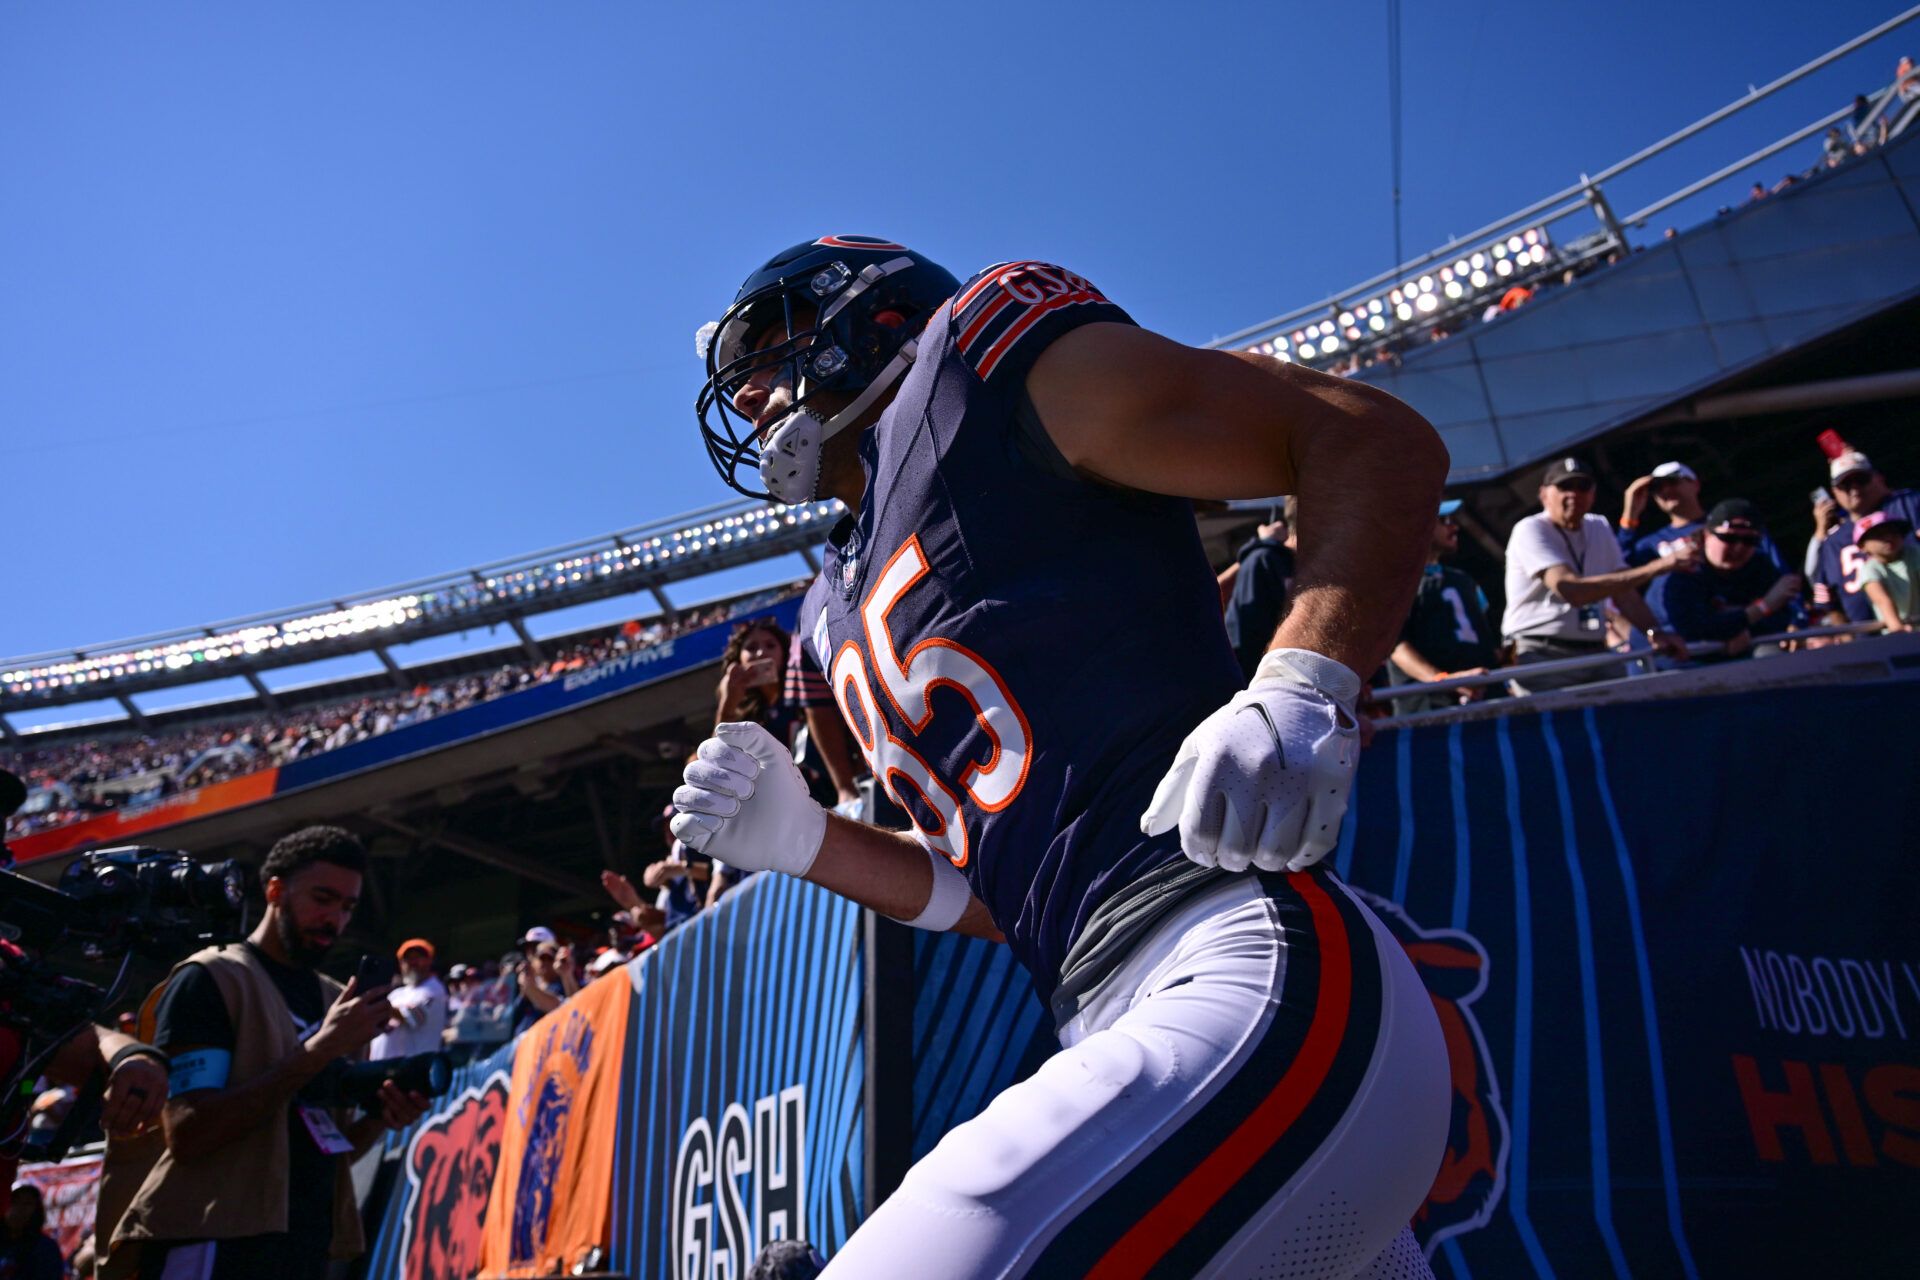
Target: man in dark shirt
column 1447, row 632
column 1737, row 595
column 312, row 881
column 1264, row 567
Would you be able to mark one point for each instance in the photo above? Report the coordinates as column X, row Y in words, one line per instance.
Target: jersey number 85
column 908, row 681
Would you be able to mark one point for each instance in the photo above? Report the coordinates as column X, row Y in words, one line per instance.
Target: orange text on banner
column 553, row 1188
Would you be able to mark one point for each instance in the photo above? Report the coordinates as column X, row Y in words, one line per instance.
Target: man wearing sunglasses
column 1563, row 566
column 1860, row 490
column 1738, row 595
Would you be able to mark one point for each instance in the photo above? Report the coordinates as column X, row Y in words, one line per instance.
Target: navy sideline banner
column 1673, row 950
column 741, row 1115
column 431, row 1223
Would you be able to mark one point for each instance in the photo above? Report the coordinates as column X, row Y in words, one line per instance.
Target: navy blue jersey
column 1018, row 650
column 1448, row 623
column 1645, row 548
column 1711, row 604
column 1836, row 580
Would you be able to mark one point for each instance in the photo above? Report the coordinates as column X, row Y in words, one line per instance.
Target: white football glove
column 1264, row 780
column 745, row 803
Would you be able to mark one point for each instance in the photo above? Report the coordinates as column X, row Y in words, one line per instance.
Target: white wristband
column 949, row 899
column 1315, row 670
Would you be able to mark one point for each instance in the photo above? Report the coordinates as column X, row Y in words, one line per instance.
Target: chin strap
column 895, row 370
column 790, row 460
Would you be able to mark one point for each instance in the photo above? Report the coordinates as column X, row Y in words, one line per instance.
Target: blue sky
column 301, row 303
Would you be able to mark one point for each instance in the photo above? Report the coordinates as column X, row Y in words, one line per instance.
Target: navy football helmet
column 852, row 307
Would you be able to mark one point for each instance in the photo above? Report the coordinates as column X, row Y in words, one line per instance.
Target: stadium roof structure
column 1611, row 335
column 647, row 557
column 1443, row 286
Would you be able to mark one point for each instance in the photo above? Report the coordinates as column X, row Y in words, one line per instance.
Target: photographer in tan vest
column 247, row 1177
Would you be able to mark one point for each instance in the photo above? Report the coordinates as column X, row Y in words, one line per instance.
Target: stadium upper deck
column 646, row 557
column 1441, row 292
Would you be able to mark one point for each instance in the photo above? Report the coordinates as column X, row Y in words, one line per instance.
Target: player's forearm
column 1360, row 561
column 885, row 871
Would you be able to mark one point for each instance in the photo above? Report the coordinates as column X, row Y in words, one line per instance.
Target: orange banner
column 553, row 1188
column 120, row 825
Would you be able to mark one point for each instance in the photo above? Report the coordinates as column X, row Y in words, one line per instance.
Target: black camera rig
column 110, row 907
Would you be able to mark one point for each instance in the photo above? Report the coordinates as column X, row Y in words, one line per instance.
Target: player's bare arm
column 1262, row 782
column 888, row 872
column 1135, row 409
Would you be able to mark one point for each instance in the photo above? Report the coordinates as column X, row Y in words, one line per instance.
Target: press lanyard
column 1579, row 558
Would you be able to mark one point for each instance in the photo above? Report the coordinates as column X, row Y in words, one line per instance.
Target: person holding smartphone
column 545, row 978
column 247, row 1179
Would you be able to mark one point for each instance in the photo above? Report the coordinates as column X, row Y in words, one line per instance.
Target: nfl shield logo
column 849, row 560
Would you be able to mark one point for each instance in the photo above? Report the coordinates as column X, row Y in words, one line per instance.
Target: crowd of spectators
column 1667, row 582
column 1666, row 574
column 73, row 779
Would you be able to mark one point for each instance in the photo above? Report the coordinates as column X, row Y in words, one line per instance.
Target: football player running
column 1021, row 628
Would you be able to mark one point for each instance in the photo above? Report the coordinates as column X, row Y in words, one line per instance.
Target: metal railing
column 1603, row 661
column 1586, row 195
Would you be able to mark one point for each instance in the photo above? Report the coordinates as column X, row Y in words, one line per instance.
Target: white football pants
column 1259, row 1090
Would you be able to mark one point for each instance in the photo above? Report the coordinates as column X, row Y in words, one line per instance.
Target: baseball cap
column 1735, row 515
column 1883, row 520
column 414, row 944
column 460, row 971
column 1845, row 464
column 1450, row 506
column 1566, row 469
column 539, row 933
column 1680, row 469
column 607, row 959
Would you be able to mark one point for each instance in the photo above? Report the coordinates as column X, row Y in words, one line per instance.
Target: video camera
column 113, row 905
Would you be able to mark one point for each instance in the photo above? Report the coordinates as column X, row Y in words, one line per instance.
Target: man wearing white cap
column 1860, row 490
column 1675, row 489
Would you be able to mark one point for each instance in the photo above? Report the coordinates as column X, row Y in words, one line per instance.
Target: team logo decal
column 450, row 1165
column 1473, row 1175
column 849, row 561
column 859, row 242
column 546, row 1114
